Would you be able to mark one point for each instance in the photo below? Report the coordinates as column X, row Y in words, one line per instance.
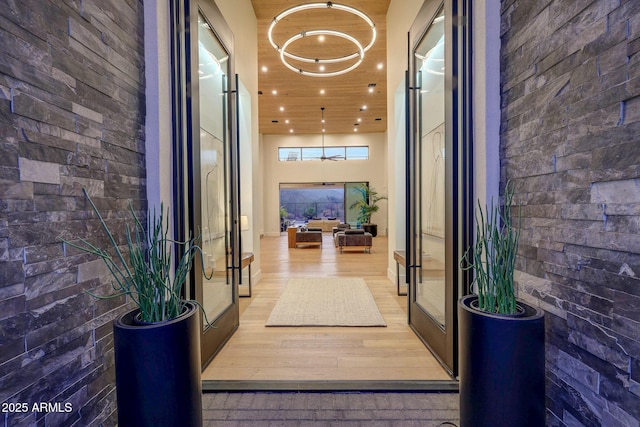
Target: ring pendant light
column 286, row 56
column 353, row 40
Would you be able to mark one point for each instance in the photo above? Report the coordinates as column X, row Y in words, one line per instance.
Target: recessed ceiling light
column 287, row 121
column 380, row 66
column 264, row 69
column 321, row 91
column 290, row 130
column 364, row 107
column 321, row 38
column 275, row 92
column 281, row 108
column 355, row 129
column 321, row 68
column 359, row 119
column 370, row 90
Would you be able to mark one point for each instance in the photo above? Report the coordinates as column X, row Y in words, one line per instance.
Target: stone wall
column 570, row 140
column 71, row 117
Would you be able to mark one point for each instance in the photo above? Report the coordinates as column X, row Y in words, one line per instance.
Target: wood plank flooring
column 259, row 353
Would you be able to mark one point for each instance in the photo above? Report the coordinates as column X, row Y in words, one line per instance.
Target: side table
column 401, row 260
column 246, row 260
column 291, row 233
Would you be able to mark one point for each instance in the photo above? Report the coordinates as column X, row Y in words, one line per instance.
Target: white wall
column 157, row 47
column 486, row 99
column 400, row 17
column 276, row 172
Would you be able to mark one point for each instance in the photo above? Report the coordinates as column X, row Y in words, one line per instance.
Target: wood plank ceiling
column 289, row 103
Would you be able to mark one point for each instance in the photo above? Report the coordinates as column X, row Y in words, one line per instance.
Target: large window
column 306, row 201
column 300, row 202
column 293, row 154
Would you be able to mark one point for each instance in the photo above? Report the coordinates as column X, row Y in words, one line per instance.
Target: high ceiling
column 288, row 95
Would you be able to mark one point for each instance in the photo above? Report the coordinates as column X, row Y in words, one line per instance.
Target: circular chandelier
column 286, row 56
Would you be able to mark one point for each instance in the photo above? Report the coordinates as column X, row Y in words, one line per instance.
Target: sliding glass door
column 437, row 160
column 352, row 195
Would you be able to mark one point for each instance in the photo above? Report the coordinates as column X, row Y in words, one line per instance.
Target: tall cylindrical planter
column 158, row 370
column 501, row 361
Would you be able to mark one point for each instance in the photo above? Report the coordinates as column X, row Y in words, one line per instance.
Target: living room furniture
column 401, row 260
column 311, row 237
column 245, row 261
column 291, row 234
column 324, row 224
column 354, row 239
column 340, row 227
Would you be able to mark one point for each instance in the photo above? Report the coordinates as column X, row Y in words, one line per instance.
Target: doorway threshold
column 432, row 386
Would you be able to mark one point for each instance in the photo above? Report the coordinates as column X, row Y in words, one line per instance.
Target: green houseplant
column 309, row 212
column 283, row 218
column 501, row 339
column 367, row 205
column 493, row 257
column 156, row 345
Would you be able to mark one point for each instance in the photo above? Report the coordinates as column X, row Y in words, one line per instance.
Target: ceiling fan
column 324, row 157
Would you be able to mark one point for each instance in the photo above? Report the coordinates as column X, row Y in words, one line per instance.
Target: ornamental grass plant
column 492, row 258
column 147, row 273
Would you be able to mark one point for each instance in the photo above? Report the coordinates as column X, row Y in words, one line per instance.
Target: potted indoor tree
column 156, row 345
column 501, row 339
column 367, row 205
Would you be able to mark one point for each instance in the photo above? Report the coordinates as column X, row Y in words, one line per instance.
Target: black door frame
column 186, row 127
column 443, row 342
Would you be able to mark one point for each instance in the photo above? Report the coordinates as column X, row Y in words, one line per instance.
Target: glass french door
column 352, row 195
column 207, row 156
column 437, row 175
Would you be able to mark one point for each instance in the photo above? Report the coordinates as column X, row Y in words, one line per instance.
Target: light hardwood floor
column 259, row 353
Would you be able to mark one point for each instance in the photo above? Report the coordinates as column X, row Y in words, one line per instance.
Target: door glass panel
column 430, row 153
column 213, row 84
column 352, row 195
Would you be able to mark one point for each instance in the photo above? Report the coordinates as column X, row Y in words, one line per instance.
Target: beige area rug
column 326, row 301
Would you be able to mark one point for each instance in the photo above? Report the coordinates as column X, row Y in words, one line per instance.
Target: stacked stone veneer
column 71, row 117
column 570, row 140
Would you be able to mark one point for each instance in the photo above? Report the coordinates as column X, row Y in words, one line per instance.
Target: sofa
column 309, row 237
column 354, row 239
column 340, row 227
column 324, row 224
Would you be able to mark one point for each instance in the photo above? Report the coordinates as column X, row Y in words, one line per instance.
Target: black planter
column 501, row 367
column 371, row 228
column 158, row 371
